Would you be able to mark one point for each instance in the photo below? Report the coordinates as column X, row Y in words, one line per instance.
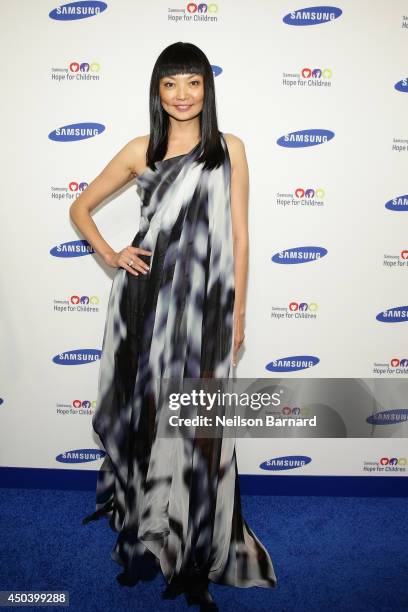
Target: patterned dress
column 175, row 503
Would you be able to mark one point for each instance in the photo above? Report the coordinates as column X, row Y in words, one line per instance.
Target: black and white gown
column 173, row 502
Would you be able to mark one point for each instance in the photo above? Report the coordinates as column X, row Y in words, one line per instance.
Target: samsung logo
column 312, row 15
column 305, row 138
column 216, row 70
column 75, row 248
column 77, row 10
column 291, row 364
column 76, row 131
column 290, row 462
column 402, row 85
column 81, row 455
column 398, row 203
column 393, row 315
column 389, row 417
column 299, row 255
column 77, row 357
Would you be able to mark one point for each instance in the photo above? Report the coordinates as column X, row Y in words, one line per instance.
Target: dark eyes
column 195, row 82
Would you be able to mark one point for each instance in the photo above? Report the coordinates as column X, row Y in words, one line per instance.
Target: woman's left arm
column 239, row 212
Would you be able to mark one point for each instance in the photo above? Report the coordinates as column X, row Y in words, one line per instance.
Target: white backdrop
column 52, row 304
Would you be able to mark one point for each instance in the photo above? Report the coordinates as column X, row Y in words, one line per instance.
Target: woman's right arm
column 119, row 171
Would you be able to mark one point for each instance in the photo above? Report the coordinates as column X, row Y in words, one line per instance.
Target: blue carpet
column 329, row 553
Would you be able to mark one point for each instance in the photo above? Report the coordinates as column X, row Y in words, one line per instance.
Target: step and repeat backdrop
column 319, row 95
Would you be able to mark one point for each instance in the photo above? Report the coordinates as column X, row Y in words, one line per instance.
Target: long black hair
column 184, row 58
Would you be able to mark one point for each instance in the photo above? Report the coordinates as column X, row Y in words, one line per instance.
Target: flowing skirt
column 174, row 502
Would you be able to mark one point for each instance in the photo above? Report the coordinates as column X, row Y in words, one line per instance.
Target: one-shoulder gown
column 175, row 503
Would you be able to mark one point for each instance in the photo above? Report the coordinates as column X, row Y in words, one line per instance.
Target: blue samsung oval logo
column 289, row 462
column 312, row 15
column 77, row 357
column 216, row 70
column 389, row 417
column 74, row 248
column 398, row 314
column 398, row 203
column 299, row 255
column 305, row 138
column 76, row 131
column 292, row 363
column 80, row 455
column 77, row 10
column 402, row 85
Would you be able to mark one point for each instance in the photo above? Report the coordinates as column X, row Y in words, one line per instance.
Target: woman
column 176, row 310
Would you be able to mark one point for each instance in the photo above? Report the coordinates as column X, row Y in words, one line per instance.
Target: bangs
column 183, row 68
column 180, row 58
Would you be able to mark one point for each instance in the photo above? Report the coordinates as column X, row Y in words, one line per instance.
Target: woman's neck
column 184, row 132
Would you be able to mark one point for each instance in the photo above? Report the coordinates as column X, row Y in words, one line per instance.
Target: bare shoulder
column 136, row 150
column 233, row 140
column 236, row 150
column 140, row 142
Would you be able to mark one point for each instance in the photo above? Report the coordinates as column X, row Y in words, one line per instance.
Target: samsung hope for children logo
column 312, row 15
column 76, row 71
column 305, row 138
column 396, row 260
column 386, row 464
column 400, row 145
column 77, row 10
column 76, row 408
column 194, row 11
column 308, row 77
column 301, row 197
column 77, row 303
column 68, row 192
column 295, row 310
column 392, row 366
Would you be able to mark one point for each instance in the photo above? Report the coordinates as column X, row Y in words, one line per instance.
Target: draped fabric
column 174, row 502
